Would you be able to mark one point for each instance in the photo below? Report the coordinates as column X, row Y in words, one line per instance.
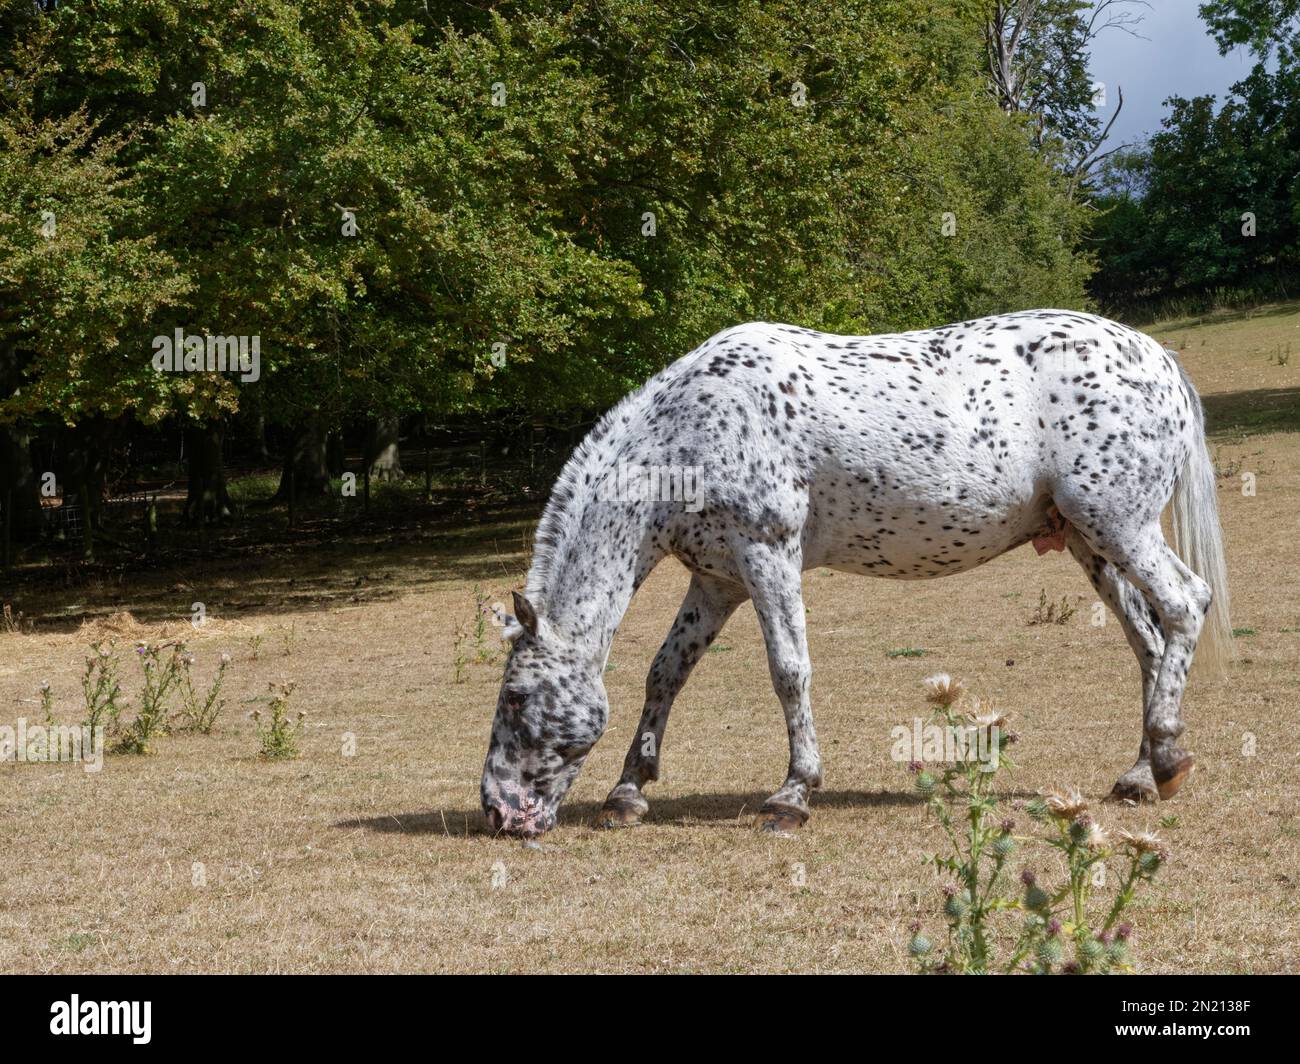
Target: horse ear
column 525, row 614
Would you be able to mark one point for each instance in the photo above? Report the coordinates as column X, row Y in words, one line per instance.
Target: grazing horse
column 772, row 449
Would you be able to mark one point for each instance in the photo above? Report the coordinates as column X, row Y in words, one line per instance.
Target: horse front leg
column 705, row 609
column 773, row 576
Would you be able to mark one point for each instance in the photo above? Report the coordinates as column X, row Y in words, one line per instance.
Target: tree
column 80, row 276
column 1260, row 25
column 440, row 209
column 1037, row 53
column 1213, row 202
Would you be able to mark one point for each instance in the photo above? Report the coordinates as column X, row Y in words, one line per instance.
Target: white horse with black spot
column 772, row 449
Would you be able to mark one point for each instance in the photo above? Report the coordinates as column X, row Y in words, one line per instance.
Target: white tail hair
column 1198, row 539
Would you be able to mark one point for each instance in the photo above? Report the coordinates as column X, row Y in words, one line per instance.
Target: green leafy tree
column 80, row 275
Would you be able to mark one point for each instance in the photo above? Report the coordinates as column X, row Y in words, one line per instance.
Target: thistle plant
column 47, row 703
column 101, row 690
column 482, row 611
column 1069, row 926
column 199, row 711
column 162, row 673
column 278, row 735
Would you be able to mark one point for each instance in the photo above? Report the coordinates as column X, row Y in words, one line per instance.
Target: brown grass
column 379, row 863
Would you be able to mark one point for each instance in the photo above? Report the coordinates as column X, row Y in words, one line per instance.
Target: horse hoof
column 781, row 819
column 1133, row 792
column 1168, row 781
column 620, row 813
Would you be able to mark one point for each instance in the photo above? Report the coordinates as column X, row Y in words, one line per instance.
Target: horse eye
column 515, row 701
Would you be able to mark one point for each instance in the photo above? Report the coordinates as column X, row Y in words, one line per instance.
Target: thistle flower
column 942, row 690
column 1097, row 838
column 1003, row 845
column 1144, row 842
column 225, row 658
column 45, row 685
column 1050, row 952
column 1090, row 951
column 983, row 715
column 1068, row 804
column 919, row 946
column 1028, row 878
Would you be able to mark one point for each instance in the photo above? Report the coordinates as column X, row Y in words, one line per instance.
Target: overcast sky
column 1176, row 58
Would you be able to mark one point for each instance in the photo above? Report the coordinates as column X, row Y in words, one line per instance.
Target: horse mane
column 562, row 517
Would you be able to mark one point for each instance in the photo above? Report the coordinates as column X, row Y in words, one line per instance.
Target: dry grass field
column 380, row 861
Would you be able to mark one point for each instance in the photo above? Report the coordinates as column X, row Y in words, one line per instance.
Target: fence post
column 87, row 536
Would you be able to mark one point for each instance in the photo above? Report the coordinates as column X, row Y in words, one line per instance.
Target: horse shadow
column 733, row 810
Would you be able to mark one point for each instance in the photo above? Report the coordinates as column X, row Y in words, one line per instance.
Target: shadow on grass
column 1261, row 410
column 254, row 572
column 683, row 810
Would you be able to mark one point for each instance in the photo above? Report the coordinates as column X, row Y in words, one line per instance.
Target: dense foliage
column 595, row 186
column 1212, row 203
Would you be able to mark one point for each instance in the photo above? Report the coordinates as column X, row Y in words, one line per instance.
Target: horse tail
column 1198, row 539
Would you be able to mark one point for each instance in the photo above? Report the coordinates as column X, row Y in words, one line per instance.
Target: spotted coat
column 909, row 456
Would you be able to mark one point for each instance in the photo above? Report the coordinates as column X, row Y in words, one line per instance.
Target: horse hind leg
column 705, row 609
column 1141, row 627
column 1180, row 599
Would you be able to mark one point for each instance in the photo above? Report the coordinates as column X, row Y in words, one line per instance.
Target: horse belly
column 923, row 528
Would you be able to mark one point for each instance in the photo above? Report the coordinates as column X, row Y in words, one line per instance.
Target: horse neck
column 592, row 577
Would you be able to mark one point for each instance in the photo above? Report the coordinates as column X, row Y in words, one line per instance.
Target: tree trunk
column 207, row 501
column 87, row 457
column 19, row 484
column 305, row 458
column 382, row 454
column 84, row 474
column 257, row 424
column 336, row 455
